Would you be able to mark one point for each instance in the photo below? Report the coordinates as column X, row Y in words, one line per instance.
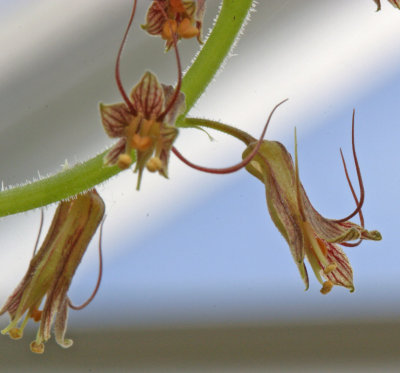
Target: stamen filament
column 10, row 326
column 23, row 324
column 315, row 247
column 330, row 268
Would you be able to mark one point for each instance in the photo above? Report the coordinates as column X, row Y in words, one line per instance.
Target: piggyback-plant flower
column 168, row 17
column 145, row 121
column 144, row 127
column 51, row 271
column 308, row 234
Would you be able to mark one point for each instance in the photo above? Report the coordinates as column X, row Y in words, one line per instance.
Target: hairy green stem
column 225, row 128
column 92, row 172
column 67, row 183
column 230, row 20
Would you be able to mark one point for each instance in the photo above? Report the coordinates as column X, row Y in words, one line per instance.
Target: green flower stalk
column 86, row 175
column 308, row 234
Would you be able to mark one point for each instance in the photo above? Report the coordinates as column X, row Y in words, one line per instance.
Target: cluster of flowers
column 145, row 126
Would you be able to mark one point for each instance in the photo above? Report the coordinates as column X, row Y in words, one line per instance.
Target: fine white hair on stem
column 239, row 34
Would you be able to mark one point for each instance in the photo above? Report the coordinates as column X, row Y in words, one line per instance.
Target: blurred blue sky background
column 224, row 261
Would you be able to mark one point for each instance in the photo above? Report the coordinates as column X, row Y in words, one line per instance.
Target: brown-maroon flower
column 307, row 233
column 184, row 18
column 51, row 271
column 143, row 127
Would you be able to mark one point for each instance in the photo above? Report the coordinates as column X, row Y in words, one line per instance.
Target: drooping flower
column 51, row 271
column 146, row 127
column 307, row 233
column 395, row 3
column 184, row 18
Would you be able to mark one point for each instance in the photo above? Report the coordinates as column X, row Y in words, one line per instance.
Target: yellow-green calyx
column 307, row 233
column 51, row 271
column 140, row 128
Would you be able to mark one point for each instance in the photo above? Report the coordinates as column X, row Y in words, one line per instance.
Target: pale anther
column 37, row 348
column 154, row 164
column 326, row 287
column 15, row 333
column 124, row 161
